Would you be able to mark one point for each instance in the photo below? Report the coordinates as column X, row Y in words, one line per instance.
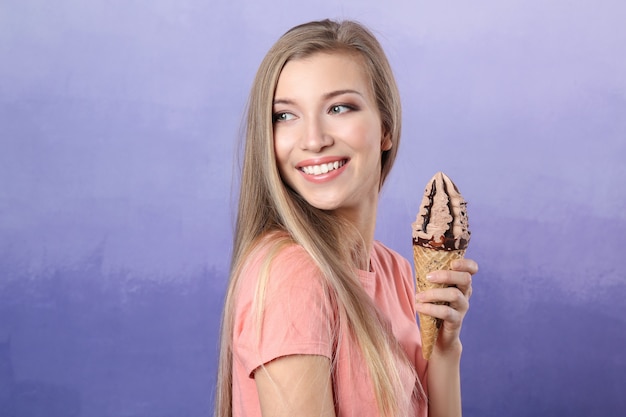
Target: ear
column 387, row 143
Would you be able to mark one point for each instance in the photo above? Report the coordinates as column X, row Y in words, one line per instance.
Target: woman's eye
column 340, row 108
column 282, row 117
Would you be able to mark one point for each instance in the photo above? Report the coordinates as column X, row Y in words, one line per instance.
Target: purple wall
column 118, row 124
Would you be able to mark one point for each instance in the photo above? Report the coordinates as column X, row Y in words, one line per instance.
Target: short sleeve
column 296, row 318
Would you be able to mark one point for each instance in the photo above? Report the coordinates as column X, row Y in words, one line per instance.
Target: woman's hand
column 456, row 296
column 444, row 379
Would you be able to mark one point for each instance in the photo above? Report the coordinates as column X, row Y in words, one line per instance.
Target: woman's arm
column 296, row 385
column 444, row 380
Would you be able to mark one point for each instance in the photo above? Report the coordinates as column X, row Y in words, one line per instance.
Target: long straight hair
column 266, row 204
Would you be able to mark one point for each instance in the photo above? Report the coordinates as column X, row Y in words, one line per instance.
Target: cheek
column 282, row 157
column 282, row 150
column 365, row 137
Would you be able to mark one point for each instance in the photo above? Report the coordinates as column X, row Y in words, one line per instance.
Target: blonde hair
column 266, row 205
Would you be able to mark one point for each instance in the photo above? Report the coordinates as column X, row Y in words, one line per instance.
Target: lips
column 323, row 168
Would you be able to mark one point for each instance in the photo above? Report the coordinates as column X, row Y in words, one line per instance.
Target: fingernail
column 430, row 277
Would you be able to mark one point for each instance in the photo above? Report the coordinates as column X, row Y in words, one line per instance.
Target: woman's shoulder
column 277, row 256
column 278, row 247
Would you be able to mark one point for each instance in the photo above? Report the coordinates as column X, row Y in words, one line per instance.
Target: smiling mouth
column 323, row 168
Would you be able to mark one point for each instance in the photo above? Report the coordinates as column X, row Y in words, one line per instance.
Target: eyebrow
column 325, row 96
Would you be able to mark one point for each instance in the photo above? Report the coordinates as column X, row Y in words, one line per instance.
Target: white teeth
column 323, row 168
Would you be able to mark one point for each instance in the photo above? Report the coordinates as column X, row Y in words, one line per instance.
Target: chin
column 323, row 205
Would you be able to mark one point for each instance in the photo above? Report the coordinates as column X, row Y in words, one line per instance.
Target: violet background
column 118, row 129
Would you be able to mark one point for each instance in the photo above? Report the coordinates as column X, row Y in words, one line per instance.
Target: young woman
column 319, row 319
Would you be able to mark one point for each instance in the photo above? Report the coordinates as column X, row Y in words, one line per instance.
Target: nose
column 315, row 136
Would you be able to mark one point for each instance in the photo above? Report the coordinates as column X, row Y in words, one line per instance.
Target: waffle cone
column 427, row 260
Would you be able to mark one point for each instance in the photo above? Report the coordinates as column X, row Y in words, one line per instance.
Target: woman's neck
column 363, row 218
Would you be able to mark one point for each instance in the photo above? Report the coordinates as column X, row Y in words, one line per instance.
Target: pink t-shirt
column 298, row 319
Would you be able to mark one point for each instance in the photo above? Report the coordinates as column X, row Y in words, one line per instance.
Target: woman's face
column 328, row 135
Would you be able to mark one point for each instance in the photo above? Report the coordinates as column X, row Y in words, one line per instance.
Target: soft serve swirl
column 442, row 222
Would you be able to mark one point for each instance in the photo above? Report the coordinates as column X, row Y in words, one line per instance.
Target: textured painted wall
column 118, row 130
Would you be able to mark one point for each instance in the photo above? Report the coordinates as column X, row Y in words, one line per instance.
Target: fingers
column 451, row 297
column 451, row 302
column 459, row 276
column 448, row 304
column 459, row 279
column 449, row 277
column 452, row 319
column 466, row 265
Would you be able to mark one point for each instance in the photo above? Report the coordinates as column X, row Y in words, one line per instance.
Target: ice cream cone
column 440, row 235
column 428, row 260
